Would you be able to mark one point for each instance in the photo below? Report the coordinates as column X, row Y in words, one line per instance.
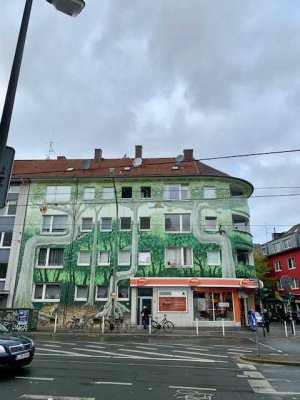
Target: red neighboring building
column 283, row 254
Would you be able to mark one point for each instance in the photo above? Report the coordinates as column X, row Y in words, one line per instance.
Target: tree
column 262, row 270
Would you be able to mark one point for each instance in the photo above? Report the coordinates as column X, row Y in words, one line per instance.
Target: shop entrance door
column 143, row 301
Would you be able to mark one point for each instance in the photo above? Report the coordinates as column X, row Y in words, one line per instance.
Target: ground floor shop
column 211, row 301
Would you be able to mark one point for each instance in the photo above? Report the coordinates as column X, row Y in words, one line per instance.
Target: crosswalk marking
column 199, row 354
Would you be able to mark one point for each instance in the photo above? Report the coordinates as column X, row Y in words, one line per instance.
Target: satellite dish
column 179, row 158
column 86, row 164
column 137, row 162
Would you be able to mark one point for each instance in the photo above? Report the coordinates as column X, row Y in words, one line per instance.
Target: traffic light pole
column 261, row 307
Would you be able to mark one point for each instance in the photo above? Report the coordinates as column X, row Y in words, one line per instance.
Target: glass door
column 143, row 301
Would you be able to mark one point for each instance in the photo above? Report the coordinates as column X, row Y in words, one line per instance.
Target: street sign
column 286, row 282
column 253, row 321
column 9, row 155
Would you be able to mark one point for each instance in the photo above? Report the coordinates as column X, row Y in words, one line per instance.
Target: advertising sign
column 23, row 317
column 172, row 303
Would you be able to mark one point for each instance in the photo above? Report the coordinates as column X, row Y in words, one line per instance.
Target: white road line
column 233, row 352
column 52, row 345
column 185, row 345
column 94, row 346
column 68, row 355
column 261, row 386
column 53, row 341
column 193, row 388
column 146, row 348
column 36, row 378
column 113, row 383
column 106, row 353
column 242, row 350
column 61, row 352
column 49, row 397
column 198, row 354
column 106, row 344
column 253, row 375
column 246, row 366
column 265, row 345
column 198, row 348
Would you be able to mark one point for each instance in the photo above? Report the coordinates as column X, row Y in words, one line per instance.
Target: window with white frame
column 145, row 192
column 50, row 257
column 86, row 224
column 276, row 247
column 242, row 256
column 179, row 257
column 49, row 292
column 209, row 192
column 108, row 193
column 54, row 223
column 81, row 292
column 13, row 189
column 277, row 266
column 145, row 223
column 104, row 257
column 58, row 194
column 123, row 292
column 211, row 224
column 144, row 258
column 278, row 285
column 264, row 251
column 125, row 224
column 5, row 239
column 124, row 257
column 177, row 192
column 287, row 243
column 295, row 283
column 3, row 272
column 177, row 222
column 84, row 258
column 291, row 263
column 101, row 292
column 213, row 257
column 9, row 209
column 89, row 193
column 106, row 224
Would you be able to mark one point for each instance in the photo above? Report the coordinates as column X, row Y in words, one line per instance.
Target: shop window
column 145, row 192
column 101, row 292
column 106, row 224
column 86, row 224
column 177, row 222
column 213, row 306
column 81, row 293
column 54, row 223
column 145, row 223
column 46, row 292
column 58, row 194
column 51, row 258
column 172, row 301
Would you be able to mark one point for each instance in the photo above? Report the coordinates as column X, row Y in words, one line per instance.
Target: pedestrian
column 145, row 316
column 267, row 320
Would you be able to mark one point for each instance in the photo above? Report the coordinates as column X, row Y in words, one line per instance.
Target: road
column 182, row 369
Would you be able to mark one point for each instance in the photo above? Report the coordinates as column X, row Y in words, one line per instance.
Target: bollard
column 223, row 327
column 286, row 334
column 197, row 326
column 102, row 324
column 55, row 323
column 293, row 328
column 150, row 324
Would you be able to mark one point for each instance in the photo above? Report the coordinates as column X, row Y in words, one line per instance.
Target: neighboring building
column 184, row 244
column 283, row 254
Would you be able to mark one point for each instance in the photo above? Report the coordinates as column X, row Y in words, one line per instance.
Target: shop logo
column 142, row 281
column 246, row 283
column 194, row 282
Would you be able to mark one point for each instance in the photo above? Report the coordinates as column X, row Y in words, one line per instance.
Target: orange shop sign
column 167, row 303
column 142, row 281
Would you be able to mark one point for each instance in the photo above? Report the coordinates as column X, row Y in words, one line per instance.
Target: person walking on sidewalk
column 267, row 320
column 145, row 316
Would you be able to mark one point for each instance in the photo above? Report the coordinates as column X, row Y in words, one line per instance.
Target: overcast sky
column 221, row 77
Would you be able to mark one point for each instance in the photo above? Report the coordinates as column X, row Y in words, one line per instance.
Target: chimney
column 61, row 157
column 138, row 151
column 188, row 155
column 98, row 155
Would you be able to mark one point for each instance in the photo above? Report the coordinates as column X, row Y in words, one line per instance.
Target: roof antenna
column 51, row 150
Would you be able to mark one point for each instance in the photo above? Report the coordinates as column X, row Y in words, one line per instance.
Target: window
column 124, row 257
column 145, row 223
column 125, row 223
column 145, row 192
column 213, row 306
column 54, row 223
column 278, row 285
column 81, row 292
column 177, row 223
column 123, row 292
column 172, row 301
column 287, row 243
column 104, row 257
column 58, row 194
column 276, row 247
column 240, row 223
column 126, row 192
column 209, row 192
column 102, row 293
column 46, row 292
column 89, row 193
column 5, row 239
column 10, row 208
column 3, row 271
column 277, row 266
column 264, row 251
column 14, row 189
column 291, row 263
column 211, row 224
column 50, row 258
column 242, row 257
column 83, row 258
column 106, row 224
column 295, row 283
column 86, row 224
column 108, row 193
column 144, row 258
column 179, row 257
column 177, row 192
column 213, row 258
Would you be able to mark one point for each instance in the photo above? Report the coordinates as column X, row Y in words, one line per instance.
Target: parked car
column 258, row 318
column 15, row 351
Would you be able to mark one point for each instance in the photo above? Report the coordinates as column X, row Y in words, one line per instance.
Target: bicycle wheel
column 154, row 326
column 70, row 324
column 124, row 326
column 168, row 327
column 108, row 325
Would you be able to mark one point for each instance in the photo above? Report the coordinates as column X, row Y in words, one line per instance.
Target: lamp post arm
column 13, row 82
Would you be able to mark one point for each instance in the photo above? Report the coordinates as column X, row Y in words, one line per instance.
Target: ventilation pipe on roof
column 188, row 155
column 138, row 151
column 98, row 155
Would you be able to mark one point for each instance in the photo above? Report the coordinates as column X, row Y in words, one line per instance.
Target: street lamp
column 69, row 7
column 113, row 294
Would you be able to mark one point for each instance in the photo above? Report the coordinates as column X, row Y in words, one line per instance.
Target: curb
column 267, row 360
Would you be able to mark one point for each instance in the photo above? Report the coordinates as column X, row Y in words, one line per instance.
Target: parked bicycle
column 164, row 324
column 114, row 324
column 80, row 323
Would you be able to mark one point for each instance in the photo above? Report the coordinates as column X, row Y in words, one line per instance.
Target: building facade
column 172, row 233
